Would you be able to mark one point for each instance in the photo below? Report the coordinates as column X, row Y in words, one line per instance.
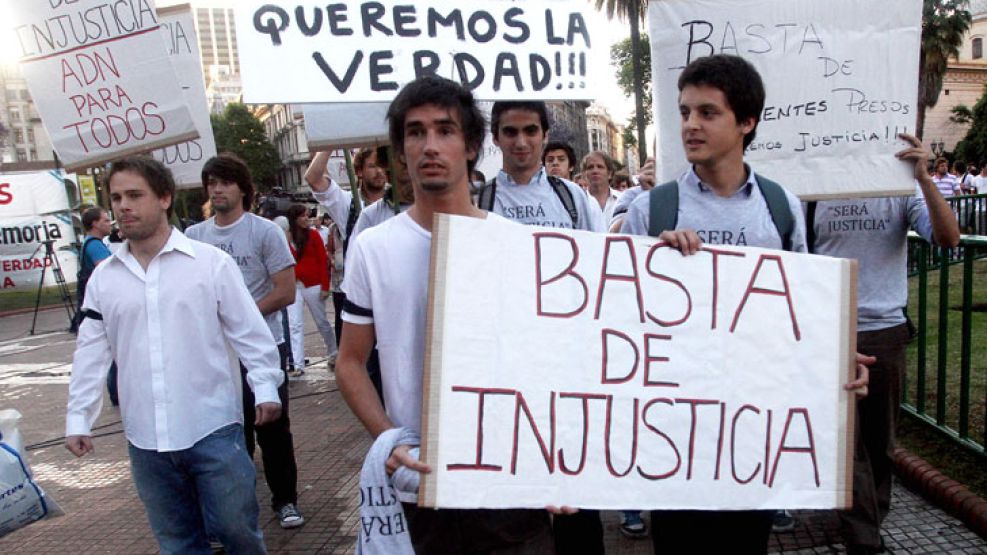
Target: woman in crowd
column 311, row 282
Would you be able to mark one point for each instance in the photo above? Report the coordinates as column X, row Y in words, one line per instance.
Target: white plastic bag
column 21, row 500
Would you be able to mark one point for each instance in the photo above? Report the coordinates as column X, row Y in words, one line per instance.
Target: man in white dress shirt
column 165, row 307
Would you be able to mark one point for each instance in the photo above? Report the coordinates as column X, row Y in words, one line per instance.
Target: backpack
column 664, row 209
column 86, row 266
column 487, row 194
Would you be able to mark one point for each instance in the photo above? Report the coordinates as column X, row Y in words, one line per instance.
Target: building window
column 978, row 48
column 15, row 114
column 34, row 155
column 30, row 135
column 18, row 136
column 21, row 155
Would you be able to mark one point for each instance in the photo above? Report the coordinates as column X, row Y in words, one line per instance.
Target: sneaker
column 632, row 526
column 295, row 372
column 289, row 516
column 783, row 521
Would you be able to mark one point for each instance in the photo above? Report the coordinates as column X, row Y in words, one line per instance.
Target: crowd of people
column 165, row 306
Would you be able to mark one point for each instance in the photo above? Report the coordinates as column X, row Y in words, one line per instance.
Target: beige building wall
column 963, row 84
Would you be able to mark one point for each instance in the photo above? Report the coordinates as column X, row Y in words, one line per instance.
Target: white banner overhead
column 100, row 76
column 186, row 159
column 841, row 79
column 609, row 371
column 365, row 51
column 332, row 126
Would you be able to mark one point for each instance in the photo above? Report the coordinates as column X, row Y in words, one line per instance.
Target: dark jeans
column 277, row 448
column 478, row 531
column 877, row 417
column 111, row 384
column 337, row 310
column 578, row 534
column 734, row 532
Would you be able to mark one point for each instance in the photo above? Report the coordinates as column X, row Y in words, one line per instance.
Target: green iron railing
column 958, row 406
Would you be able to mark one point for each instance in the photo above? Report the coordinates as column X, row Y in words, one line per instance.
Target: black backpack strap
column 86, row 269
column 565, row 196
column 485, row 199
column 663, row 211
column 356, row 206
column 781, row 211
column 810, row 226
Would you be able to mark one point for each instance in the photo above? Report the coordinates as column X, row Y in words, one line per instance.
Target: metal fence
column 947, row 388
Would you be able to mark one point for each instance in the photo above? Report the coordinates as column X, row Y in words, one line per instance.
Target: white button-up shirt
column 168, row 329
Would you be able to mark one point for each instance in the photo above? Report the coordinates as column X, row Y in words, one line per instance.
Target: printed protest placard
column 609, row 371
column 841, row 78
column 186, row 159
column 34, row 208
column 365, row 51
column 99, row 73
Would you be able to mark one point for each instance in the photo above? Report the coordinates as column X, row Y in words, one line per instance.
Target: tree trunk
column 642, row 143
column 920, row 105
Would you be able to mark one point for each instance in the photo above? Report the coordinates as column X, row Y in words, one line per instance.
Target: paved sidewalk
column 104, row 515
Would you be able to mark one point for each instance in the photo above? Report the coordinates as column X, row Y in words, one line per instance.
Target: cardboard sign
column 365, row 51
column 34, row 208
column 609, row 371
column 186, row 159
column 332, row 126
column 840, row 77
column 100, row 77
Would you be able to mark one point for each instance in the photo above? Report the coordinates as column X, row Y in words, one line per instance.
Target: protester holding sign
column 437, row 128
column 719, row 200
column 875, row 232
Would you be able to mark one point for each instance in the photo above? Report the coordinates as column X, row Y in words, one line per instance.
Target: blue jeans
column 211, row 484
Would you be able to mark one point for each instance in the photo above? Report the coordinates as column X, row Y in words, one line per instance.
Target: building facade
column 25, row 143
column 567, row 123
column 285, row 127
column 963, row 84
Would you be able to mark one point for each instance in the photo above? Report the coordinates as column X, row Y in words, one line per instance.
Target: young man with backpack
column 523, row 191
column 96, row 223
column 719, row 200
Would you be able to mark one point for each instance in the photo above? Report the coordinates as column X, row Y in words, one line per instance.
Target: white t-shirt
column 980, row 182
column 386, row 285
column 536, row 203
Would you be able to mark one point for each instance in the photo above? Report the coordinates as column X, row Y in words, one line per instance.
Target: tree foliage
column 944, row 24
column 973, row 147
column 620, row 56
column 238, row 131
column 634, row 11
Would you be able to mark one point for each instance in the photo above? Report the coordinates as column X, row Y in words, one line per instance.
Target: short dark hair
column 502, row 106
column 607, row 160
column 157, row 175
column 91, row 216
column 959, row 166
column 622, row 175
column 361, row 157
column 559, row 145
column 229, row 167
column 736, row 77
column 444, row 93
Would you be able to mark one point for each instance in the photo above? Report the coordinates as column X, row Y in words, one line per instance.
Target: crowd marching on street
column 157, row 313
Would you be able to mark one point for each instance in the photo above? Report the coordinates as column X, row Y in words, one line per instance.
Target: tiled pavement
column 103, row 514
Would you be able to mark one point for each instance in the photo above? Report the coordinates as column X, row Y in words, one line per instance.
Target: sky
column 609, row 94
